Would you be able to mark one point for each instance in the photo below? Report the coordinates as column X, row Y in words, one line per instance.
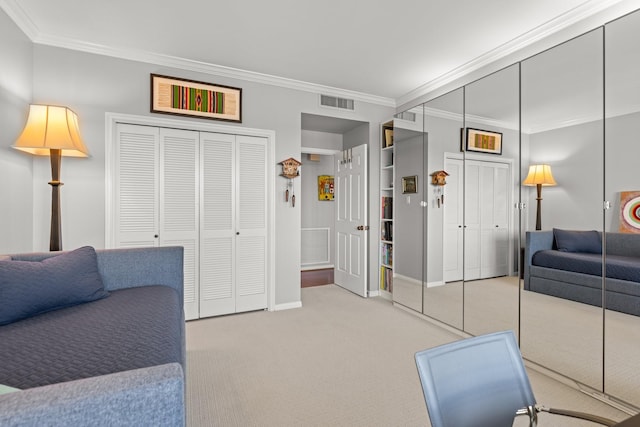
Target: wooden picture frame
column 182, row 97
column 409, row 184
column 483, row 141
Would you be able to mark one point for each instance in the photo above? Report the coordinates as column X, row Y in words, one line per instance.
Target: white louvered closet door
column 233, row 224
column 251, row 226
column 136, row 182
column 217, row 225
column 179, row 213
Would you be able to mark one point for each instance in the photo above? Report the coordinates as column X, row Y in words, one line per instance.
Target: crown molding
column 20, row 17
column 539, row 33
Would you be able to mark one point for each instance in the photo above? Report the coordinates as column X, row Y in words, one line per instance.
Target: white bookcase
column 387, row 173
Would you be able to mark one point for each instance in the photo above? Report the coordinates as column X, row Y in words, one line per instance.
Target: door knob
column 363, row 227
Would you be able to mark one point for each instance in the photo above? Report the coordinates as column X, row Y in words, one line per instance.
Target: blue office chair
column 481, row 382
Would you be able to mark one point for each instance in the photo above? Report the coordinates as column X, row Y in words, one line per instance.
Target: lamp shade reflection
column 539, row 175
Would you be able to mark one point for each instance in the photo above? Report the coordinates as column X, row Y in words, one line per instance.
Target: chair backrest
column 479, row 382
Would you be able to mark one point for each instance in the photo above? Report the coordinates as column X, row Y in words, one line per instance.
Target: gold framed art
column 182, row 97
column 409, row 184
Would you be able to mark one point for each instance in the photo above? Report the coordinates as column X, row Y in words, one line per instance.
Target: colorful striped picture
column 170, row 95
column 484, row 141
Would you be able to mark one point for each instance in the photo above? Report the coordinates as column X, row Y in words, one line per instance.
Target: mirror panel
column 443, row 120
column 491, row 183
column 562, row 111
column 622, row 187
column 408, row 224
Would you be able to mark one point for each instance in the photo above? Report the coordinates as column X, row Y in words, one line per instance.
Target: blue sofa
column 116, row 360
column 576, row 274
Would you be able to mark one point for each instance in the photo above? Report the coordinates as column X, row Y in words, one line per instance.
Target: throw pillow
column 28, row 288
column 578, row 241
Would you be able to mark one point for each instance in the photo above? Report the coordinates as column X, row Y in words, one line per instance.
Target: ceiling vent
column 406, row 115
column 335, row 102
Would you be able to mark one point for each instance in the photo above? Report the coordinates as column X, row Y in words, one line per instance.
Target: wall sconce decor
column 290, row 170
column 52, row 131
column 539, row 175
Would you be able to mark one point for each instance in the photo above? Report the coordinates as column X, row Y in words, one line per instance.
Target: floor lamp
column 539, row 175
column 52, row 131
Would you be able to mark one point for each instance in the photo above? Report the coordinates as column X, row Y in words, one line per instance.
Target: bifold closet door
column 233, row 224
column 179, row 195
column 156, row 195
column 136, row 186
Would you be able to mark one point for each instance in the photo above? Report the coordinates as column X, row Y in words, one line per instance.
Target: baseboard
column 316, row 267
column 287, row 306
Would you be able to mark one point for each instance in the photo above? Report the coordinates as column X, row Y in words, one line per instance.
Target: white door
column 135, row 184
column 251, row 220
column 351, row 220
column 487, row 201
column 233, row 216
column 453, row 218
column 179, row 195
column 217, row 227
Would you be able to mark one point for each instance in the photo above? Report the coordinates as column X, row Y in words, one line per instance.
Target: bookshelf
column 386, row 210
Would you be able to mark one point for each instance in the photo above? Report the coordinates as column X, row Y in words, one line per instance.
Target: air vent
column 335, row 102
column 406, row 115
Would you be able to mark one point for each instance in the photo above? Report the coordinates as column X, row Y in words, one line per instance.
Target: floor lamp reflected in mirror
column 52, row 131
column 539, row 175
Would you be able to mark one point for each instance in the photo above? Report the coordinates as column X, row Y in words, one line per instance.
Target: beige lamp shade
column 51, row 127
column 539, row 174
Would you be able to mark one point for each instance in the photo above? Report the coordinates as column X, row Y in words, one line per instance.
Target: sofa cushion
column 28, row 288
column 578, row 241
column 133, row 328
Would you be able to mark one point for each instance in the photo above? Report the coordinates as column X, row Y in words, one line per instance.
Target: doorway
column 322, row 138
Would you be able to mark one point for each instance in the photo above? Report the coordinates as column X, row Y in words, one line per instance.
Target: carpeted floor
column 340, row 360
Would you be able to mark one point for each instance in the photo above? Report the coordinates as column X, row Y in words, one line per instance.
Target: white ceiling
column 384, row 48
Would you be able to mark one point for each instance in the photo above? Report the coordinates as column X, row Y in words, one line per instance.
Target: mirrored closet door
column 622, row 191
column 491, row 158
column 408, row 210
column 444, row 251
column 562, row 137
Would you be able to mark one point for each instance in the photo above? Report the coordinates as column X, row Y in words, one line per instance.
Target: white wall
column 16, row 168
column 317, row 213
column 93, row 85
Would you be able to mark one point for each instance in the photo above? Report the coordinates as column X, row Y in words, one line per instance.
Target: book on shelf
column 386, row 279
column 388, row 137
column 387, row 207
column 386, row 254
column 387, row 231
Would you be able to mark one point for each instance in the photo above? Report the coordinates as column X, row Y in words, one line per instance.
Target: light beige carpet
column 340, row 360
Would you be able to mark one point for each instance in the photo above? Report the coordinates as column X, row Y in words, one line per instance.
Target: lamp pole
column 55, row 241
column 538, row 211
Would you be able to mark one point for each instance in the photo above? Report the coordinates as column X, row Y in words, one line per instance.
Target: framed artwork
column 483, row 141
column 409, row 184
column 629, row 212
column 325, row 187
column 171, row 95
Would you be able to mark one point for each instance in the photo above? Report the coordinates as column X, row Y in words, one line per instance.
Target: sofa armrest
column 142, row 397
column 535, row 241
column 130, row 267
